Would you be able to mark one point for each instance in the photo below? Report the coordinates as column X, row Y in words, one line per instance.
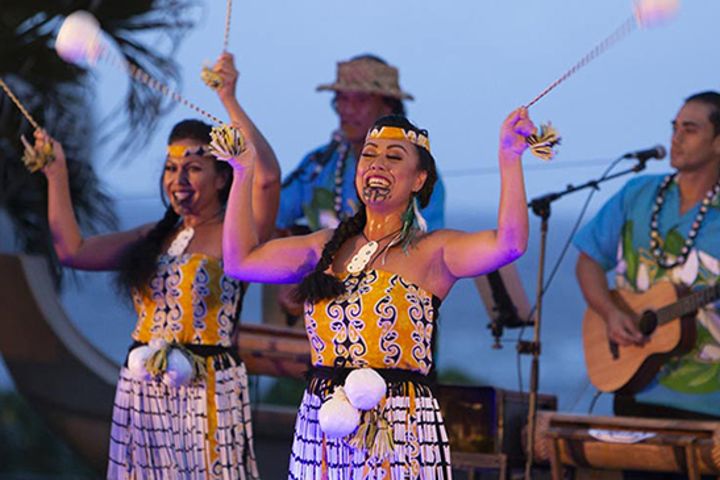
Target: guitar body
column 614, row 368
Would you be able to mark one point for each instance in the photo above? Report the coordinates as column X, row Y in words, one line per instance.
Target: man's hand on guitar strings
column 623, row 330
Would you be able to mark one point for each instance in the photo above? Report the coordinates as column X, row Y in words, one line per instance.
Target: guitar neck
column 688, row 304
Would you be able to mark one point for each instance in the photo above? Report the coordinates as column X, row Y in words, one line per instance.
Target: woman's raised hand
column 516, row 127
column 245, row 160
column 225, row 68
column 59, row 164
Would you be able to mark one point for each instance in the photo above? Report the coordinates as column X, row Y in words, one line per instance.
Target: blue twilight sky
column 467, row 62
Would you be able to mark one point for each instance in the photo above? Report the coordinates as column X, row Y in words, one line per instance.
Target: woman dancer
column 181, row 406
column 372, row 288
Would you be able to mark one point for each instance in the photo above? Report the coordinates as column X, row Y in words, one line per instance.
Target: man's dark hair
column 711, row 99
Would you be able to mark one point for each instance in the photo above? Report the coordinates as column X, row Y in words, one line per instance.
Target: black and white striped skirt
column 200, row 431
column 421, row 447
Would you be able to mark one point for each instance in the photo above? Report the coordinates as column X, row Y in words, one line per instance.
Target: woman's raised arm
column 283, row 260
column 472, row 254
column 100, row 252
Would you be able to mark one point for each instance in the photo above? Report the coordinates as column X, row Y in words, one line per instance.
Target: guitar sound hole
column 648, row 322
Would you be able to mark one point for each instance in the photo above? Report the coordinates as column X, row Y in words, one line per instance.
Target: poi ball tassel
column 226, row 142
column 543, row 143
column 359, row 439
column 211, row 78
column 384, row 445
column 35, row 160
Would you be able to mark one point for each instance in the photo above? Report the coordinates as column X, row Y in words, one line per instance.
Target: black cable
column 594, row 401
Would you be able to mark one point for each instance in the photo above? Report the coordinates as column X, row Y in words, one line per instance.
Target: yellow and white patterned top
column 382, row 321
column 189, row 300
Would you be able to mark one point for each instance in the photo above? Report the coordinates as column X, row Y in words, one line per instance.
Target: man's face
column 358, row 111
column 694, row 143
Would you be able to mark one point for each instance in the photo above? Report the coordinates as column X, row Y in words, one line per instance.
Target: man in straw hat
column 321, row 190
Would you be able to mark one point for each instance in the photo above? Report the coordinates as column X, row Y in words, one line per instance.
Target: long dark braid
column 138, row 262
column 318, row 284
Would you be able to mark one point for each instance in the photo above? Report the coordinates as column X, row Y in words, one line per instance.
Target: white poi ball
column 136, row 362
column 80, row 38
column 179, row 370
column 651, row 13
column 365, row 388
column 337, row 416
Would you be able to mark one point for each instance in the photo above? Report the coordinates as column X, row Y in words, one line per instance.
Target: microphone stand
column 541, row 207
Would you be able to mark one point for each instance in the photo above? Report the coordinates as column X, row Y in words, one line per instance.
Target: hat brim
column 339, row 87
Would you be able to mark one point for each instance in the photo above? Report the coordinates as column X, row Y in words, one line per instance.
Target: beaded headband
column 180, row 151
column 397, row 133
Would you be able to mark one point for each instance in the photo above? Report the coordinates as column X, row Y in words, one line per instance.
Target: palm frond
column 56, row 95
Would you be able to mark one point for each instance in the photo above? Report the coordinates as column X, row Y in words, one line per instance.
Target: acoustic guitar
column 666, row 319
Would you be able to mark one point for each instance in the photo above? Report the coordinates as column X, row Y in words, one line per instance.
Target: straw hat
column 367, row 75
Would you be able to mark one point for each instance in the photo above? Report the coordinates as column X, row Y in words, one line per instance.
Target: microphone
column 658, row 152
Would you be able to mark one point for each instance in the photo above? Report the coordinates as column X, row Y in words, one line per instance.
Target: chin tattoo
column 375, row 194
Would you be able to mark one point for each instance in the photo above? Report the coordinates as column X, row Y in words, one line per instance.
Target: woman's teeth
column 182, row 196
column 377, row 182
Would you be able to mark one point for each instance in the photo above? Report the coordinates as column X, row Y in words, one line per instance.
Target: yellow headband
column 180, row 151
column 397, row 133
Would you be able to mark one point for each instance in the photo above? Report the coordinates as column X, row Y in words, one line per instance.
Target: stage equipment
column 628, row 443
column 484, row 425
column 541, row 207
column 505, row 301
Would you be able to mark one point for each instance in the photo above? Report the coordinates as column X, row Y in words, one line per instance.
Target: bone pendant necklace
column 181, row 242
column 363, row 256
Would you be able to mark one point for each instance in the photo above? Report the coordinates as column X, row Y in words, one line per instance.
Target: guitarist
column 321, row 190
column 682, row 212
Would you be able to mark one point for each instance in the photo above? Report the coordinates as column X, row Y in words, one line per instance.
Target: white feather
column 422, row 223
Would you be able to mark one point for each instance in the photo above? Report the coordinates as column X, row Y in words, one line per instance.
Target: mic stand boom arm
column 541, row 207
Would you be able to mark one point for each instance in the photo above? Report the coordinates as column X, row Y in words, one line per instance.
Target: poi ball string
column 623, row 31
column 145, row 78
column 646, row 14
column 19, row 105
column 228, row 14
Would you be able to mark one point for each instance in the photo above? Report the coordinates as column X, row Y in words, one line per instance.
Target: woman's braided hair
column 318, row 284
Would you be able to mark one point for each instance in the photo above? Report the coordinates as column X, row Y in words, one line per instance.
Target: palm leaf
column 56, row 94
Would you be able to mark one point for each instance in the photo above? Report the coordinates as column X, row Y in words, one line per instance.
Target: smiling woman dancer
column 182, row 405
column 372, row 288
